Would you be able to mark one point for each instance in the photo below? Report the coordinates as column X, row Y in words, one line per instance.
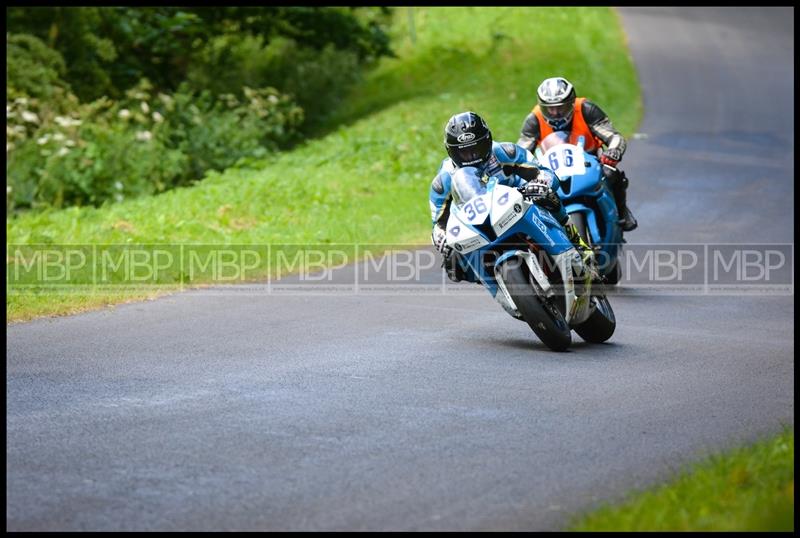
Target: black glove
column 525, row 171
column 543, row 196
column 611, row 156
column 533, row 189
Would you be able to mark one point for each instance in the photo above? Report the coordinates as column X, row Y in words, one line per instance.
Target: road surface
column 217, row 410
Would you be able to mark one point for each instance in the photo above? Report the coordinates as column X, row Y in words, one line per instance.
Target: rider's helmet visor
column 473, row 154
column 557, row 112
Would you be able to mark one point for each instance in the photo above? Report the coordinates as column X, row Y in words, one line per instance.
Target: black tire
column 541, row 315
column 601, row 324
column 613, row 276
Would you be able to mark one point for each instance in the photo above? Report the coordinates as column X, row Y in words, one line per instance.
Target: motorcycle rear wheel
column 601, row 323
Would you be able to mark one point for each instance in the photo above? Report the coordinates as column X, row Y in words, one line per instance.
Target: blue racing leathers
column 509, row 165
column 506, row 156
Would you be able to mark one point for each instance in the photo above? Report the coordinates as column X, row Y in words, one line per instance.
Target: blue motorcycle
column 587, row 198
column 523, row 257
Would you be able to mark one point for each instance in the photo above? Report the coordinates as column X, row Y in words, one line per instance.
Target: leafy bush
column 144, row 144
column 106, row 103
column 217, row 132
column 33, row 68
column 76, row 34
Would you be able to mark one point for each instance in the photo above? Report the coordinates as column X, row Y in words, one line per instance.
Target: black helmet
column 556, row 98
column 468, row 139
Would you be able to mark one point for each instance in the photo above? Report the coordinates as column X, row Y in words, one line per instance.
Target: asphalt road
column 220, row 410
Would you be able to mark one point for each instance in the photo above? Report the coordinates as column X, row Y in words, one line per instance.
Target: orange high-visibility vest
column 579, row 127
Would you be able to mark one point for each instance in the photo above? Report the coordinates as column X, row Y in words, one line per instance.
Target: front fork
column 568, row 263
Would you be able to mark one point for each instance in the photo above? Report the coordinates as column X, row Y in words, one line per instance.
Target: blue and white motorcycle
column 587, row 198
column 525, row 260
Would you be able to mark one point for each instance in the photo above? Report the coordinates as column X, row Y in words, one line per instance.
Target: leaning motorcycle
column 587, row 198
column 525, row 260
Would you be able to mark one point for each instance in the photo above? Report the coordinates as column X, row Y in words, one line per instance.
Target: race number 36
column 475, row 208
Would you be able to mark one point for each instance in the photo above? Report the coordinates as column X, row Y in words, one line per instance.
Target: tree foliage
column 110, row 102
column 109, row 49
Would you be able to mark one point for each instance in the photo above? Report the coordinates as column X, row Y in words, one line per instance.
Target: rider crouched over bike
column 558, row 109
column 468, row 142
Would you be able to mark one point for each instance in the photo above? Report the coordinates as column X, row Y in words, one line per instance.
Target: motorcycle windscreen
column 554, row 139
column 466, row 185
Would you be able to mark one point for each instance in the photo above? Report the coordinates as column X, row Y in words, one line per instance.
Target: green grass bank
column 747, row 489
column 365, row 178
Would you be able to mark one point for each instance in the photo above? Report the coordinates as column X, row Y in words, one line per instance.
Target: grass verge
column 366, row 178
column 748, row 489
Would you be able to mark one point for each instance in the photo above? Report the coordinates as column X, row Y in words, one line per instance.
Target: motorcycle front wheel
column 538, row 312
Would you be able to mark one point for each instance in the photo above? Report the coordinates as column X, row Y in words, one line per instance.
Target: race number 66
column 567, row 159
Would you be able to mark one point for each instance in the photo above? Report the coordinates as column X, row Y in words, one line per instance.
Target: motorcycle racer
column 468, row 141
column 558, row 109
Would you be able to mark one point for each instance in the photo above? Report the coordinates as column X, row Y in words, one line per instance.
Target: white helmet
column 556, row 98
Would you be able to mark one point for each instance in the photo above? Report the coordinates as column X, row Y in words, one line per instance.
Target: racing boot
column 452, row 267
column 455, row 271
column 586, row 252
column 627, row 220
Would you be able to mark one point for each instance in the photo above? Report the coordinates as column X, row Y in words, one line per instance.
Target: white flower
column 144, row 136
column 62, row 152
column 145, row 108
column 9, row 147
column 69, row 143
column 8, row 189
column 124, row 114
column 58, row 137
column 30, row 117
column 21, row 101
column 158, row 118
column 8, row 111
column 66, row 122
column 272, row 99
column 118, row 185
column 43, row 140
column 19, row 129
